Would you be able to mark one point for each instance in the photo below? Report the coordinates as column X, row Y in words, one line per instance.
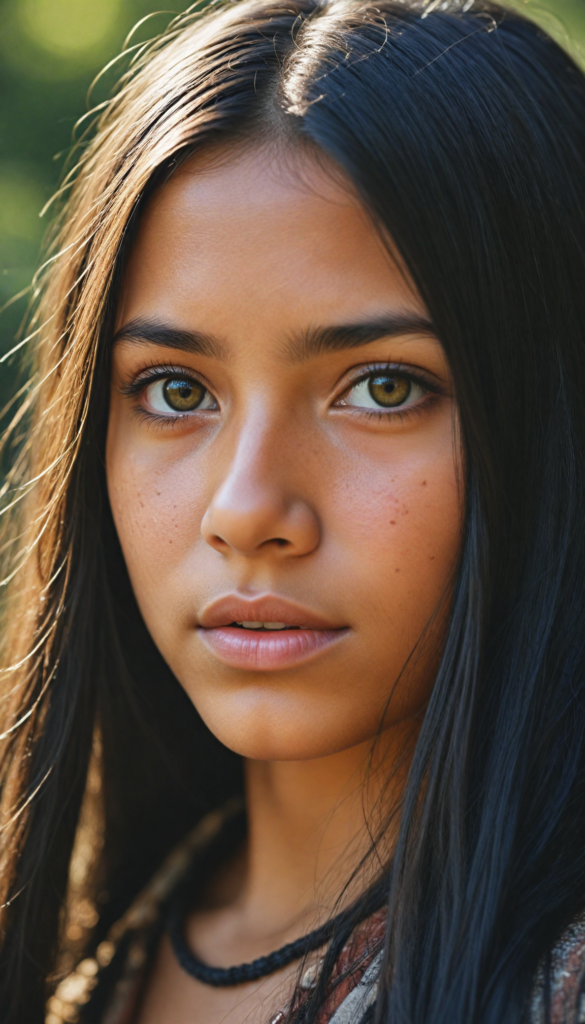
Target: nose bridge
column 258, row 502
column 252, row 478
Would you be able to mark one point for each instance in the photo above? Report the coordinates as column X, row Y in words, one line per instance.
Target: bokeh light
column 21, row 199
column 69, row 27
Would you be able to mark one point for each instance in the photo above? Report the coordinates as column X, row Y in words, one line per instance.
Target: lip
column 310, row 633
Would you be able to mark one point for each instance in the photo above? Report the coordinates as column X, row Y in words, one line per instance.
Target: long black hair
column 462, row 127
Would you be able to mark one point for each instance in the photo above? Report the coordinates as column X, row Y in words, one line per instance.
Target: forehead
column 259, row 236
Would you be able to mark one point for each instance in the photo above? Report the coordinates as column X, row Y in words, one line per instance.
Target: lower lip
column 262, row 650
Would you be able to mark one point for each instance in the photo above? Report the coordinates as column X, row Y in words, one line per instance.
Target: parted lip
column 268, row 608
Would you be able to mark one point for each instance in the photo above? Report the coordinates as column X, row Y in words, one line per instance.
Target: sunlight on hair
column 68, row 28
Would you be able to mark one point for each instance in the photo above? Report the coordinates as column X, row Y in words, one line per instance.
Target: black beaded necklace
column 220, row 977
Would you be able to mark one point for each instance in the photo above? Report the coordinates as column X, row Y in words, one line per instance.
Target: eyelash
column 150, row 374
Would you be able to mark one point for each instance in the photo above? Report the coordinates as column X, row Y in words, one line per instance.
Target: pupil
column 389, row 391
column 183, row 395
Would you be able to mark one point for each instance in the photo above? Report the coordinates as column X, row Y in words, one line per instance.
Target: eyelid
column 137, row 382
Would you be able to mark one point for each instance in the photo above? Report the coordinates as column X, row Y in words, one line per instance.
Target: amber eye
column 389, row 389
column 179, row 395
column 384, row 390
column 183, row 395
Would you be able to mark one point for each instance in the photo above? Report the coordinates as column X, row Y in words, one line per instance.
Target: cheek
column 157, row 502
column 397, row 533
column 399, row 523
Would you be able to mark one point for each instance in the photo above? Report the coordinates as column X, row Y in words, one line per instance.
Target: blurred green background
column 50, row 52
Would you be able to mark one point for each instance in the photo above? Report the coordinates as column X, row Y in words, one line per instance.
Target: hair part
column 462, row 129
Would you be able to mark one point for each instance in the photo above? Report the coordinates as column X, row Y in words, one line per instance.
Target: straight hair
column 461, row 126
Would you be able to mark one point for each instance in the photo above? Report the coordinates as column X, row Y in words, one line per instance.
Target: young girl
column 294, row 696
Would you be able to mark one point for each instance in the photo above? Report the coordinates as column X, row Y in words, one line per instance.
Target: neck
column 311, row 824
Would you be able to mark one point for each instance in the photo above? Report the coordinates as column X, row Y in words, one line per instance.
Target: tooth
column 274, row 625
column 251, row 625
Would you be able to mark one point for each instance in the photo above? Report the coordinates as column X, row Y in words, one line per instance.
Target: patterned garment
column 105, row 988
column 563, row 980
column 353, row 984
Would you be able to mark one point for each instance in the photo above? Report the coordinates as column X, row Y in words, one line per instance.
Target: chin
column 267, row 731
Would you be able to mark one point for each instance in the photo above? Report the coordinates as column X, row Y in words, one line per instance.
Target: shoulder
column 104, row 987
column 354, row 982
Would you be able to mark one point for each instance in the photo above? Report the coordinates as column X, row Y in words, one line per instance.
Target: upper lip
column 233, row 608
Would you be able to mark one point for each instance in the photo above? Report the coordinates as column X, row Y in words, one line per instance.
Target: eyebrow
column 301, row 347
column 145, row 331
column 319, row 340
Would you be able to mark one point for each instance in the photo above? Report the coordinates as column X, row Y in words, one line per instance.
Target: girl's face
column 282, row 451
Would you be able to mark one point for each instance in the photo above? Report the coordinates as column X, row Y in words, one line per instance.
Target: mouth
column 265, row 634
column 264, row 626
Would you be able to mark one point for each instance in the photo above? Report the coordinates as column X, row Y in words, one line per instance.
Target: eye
column 385, row 389
column 178, row 395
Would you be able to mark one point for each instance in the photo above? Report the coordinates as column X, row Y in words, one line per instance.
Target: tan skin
column 288, row 481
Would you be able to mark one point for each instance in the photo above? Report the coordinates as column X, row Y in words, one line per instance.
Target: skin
column 283, row 486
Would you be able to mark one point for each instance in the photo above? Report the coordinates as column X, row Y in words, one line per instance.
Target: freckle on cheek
column 392, row 522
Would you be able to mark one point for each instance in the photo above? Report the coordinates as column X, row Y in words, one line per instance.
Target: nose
column 254, row 510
